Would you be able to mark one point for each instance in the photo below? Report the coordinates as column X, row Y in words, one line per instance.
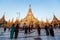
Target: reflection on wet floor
column 31, row 36
column 37, row 39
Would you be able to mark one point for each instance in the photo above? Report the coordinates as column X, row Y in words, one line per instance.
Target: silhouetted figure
column 4, row 29
column 47, row 30
column 51, row 30
column 59, row 26
column 16, row 31
column 29, row 28
column 25, row 28
column 9, row 29
column 38, row 29
column 12, row 31
column 55, row 26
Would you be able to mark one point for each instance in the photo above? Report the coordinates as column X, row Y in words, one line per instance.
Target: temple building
column 3, row 22
column 30, row 19
column 55, row 21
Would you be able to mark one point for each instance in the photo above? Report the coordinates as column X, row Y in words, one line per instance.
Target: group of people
column 14, row 31
column 49, row 30
column 27, row 29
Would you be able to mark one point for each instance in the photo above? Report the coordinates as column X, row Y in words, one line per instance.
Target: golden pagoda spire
column 30, row 11
column 3, row 17
column 30, row 6
column 2, row 20
column 55, row 18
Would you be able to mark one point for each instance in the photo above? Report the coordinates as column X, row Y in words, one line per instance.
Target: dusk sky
column 41, row 9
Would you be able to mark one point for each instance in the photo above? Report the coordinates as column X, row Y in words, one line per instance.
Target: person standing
column 25, row 28
column 29, row 28
column 4, row 29
column 12, row 31
column 38, row 29
column 47, row 30
column 16, row 31
column 51, row 30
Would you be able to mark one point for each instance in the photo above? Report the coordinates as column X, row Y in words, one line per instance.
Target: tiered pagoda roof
column 55, row 20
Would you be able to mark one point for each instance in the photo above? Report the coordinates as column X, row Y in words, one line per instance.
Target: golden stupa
column 29, row 19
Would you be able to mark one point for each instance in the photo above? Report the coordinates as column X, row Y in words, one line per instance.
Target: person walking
column 12, row 31
column 16, row 31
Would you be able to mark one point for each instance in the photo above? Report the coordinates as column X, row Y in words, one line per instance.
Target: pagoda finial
column 30, row 6
column 54, row 16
